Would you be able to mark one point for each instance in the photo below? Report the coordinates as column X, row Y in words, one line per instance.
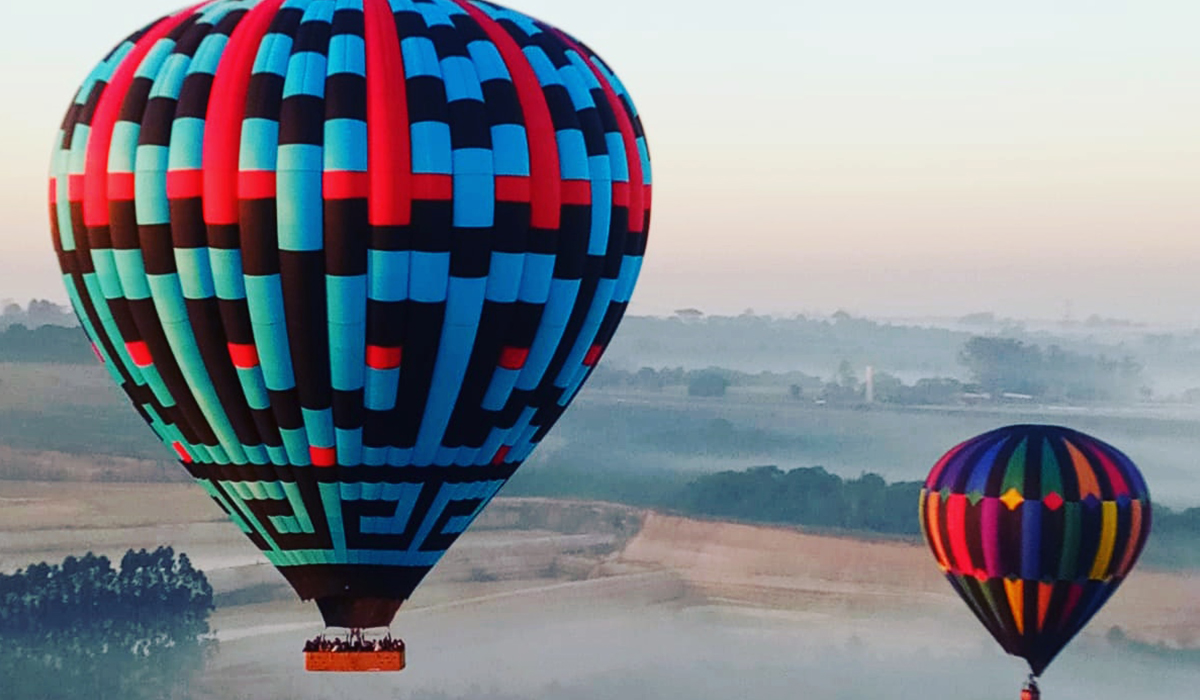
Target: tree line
column 84, row 629
column 806, row 497
column 47, row 343
column 37, row 313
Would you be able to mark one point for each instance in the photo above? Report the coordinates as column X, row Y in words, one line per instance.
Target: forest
column 84, row 629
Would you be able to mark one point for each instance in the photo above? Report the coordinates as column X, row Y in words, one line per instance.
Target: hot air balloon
column 1035, row 527
column 350, row 260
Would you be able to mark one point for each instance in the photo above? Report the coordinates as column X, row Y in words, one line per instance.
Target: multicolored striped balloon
column 1035, row 526
column 350, row 259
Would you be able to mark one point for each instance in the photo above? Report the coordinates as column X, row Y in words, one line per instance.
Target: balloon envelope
column 1035, row 526
column 350, row 260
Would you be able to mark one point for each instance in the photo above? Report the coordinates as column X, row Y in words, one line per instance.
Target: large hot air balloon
column 1035, row 526
column 351, row 260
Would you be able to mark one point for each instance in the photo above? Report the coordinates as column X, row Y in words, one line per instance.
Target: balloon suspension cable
column 1030, row 690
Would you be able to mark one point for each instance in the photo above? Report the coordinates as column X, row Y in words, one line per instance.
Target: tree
column 708, row 383
column 85, row 629
column 1003, row 364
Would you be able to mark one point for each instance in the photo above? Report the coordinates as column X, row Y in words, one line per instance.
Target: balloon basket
column 353, row 661
column 1030, row 691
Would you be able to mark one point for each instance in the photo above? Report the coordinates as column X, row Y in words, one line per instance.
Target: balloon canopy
column 1035, row 526
column 350, row 259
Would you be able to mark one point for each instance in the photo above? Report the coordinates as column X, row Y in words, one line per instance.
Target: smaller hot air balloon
column 1035, row 526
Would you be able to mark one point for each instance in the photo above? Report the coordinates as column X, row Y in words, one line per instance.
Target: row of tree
column 1000, row 365
column 84, row 629
column 37, row 313
column 804, row 496
column 47, row 343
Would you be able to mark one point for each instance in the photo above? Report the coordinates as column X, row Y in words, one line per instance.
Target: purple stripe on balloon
column 1031, row 534
column 989, row 525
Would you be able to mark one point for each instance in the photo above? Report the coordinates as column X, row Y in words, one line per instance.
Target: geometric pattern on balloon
column 325, row 243
column 1035, row 527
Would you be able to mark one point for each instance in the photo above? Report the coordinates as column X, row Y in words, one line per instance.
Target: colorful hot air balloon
column 1035, row 526
column 351, row 260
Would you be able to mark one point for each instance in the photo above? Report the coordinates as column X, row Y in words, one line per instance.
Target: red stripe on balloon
column 936, row 473
column 593, row 355
column 226, row 109
column 389, row 149
column 139, row 353
column 637, row 202
column 513, row 358
column 577, row 192
column 620, row 192
column 956, row 516
column 545, row 177
column 185, row 184
column 512, row 188
column 256, row 184
column 120, row 186
column 182, row 452
column 428, row 187
column 243, row 355
column 74, row 188
column 501, row 454
column 345, row 184
column 1116, row 479
column 322, row 456
column 381, row 357
column 95, row 184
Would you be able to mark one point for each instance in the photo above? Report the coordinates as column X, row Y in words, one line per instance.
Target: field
column 64, row 421
column 560, row 599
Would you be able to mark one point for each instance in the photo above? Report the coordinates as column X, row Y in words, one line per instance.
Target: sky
column 897, row 159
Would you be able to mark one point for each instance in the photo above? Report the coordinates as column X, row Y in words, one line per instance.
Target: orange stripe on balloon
column 1088, row 486
column 1015, row 590
column 1045, row 591
column 934, row 529
column 1131, row 545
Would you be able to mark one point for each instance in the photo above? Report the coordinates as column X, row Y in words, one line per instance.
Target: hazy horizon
column 921, row 159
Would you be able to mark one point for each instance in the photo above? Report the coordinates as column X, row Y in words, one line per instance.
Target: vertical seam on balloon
column 166, row 370
column 1088, row 486
column 389, row 147
column 1108, row 540
column 347, row 336
column 219, row 202
column 95, row 175
column 637, row 203
column 447, row 380
column 1135, row 532
column 314, row 387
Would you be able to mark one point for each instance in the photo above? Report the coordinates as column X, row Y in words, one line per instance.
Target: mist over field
column 601, row 652
column 546, row 600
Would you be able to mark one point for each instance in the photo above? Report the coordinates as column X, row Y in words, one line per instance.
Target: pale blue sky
column 901, row 158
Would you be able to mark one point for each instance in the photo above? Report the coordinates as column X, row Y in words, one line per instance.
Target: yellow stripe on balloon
column 1108, row 538
column 1016, row 601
